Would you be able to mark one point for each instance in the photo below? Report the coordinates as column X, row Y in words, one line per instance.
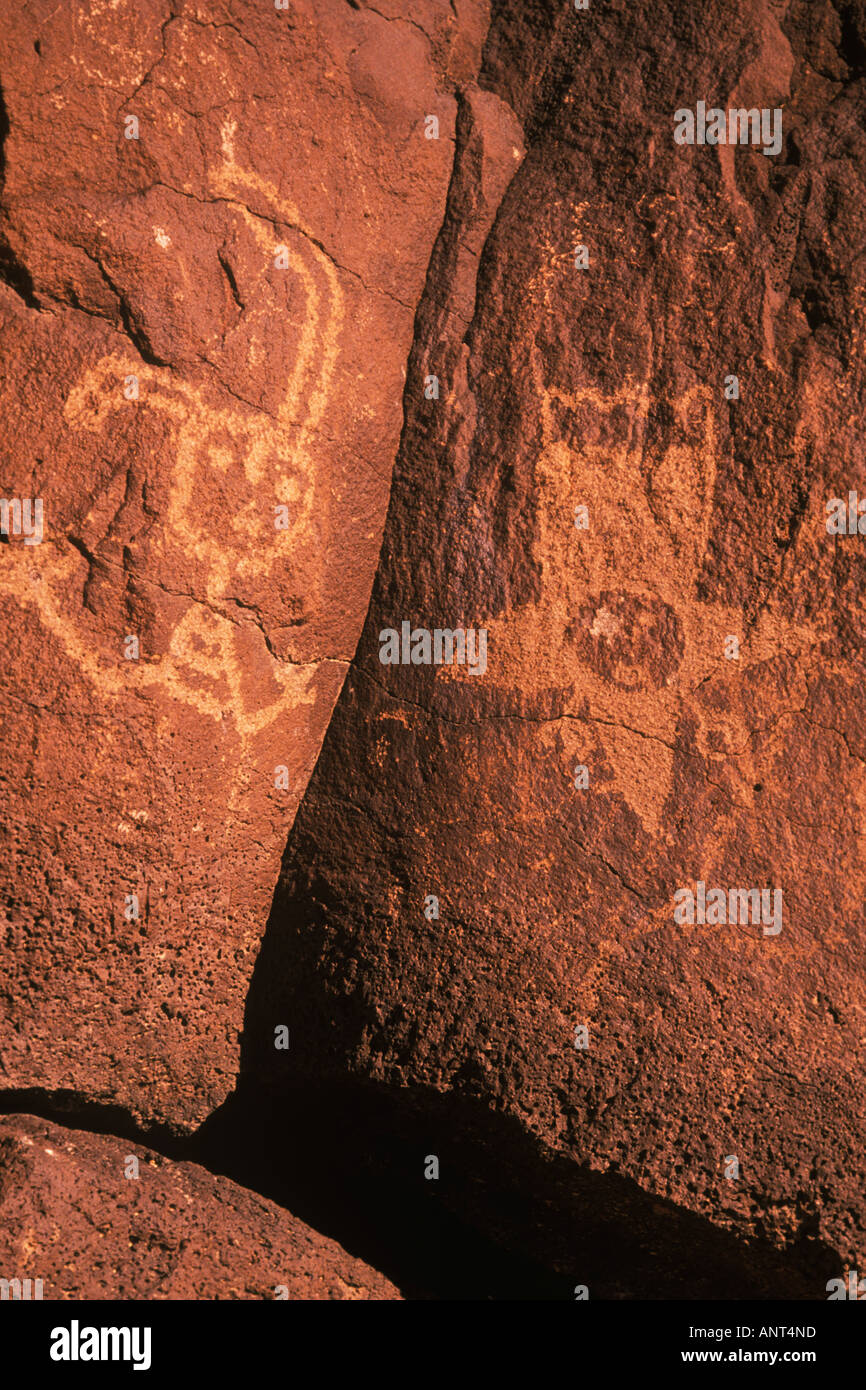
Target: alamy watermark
column 734, row 906
column 77, row 1343
column 21, row 516
column 846, row 519
column 738, row 126
column 23, row 1290
column 441, row 647
column 850, row 1286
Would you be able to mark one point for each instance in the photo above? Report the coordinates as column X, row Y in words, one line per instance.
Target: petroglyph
column 272, row 452
column 621, row 623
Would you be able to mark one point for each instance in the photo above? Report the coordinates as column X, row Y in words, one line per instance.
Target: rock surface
column 223, row 232
column 71, row 1215
column 739, row 765
column 216, row 223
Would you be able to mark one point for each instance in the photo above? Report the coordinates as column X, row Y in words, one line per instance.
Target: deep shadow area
column 320, row 1154
column 75, row 1111
column 349, row 1159
column 310, row 1165
column 499, row 1223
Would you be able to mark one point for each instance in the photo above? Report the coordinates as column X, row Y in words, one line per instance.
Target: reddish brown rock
column 216, row 224
column 72, row 1216
column 608, row 648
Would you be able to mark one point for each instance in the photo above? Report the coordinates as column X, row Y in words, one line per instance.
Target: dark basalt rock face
column 555, row 990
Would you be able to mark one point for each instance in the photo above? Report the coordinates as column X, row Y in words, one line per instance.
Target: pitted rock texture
column 216, row 223
column 72, row 1216
column 604, row 388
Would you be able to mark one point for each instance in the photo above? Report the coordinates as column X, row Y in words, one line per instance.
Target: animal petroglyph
column 268, row 457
